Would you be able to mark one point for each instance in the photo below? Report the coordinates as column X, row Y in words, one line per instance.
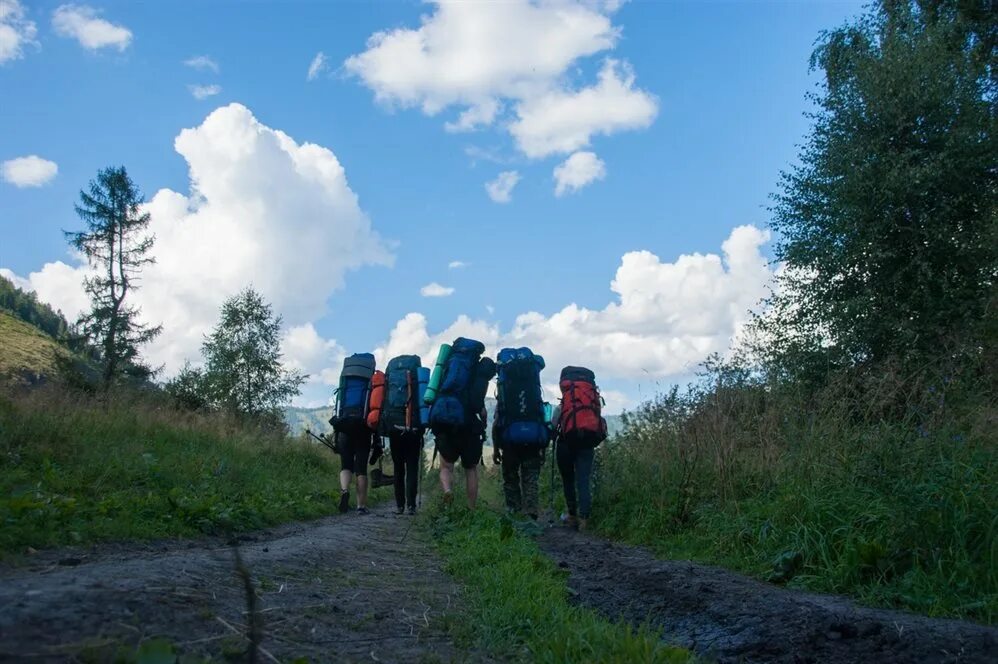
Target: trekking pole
column 554, row 458
column 322, row 439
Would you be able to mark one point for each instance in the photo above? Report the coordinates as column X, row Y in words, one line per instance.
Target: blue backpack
column 350, row 413
column 520, row 415
column 450, row 408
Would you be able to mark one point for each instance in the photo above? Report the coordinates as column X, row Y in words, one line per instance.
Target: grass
column 896, row 512
column 73, row 471
column 519, row 598
column 25, row 349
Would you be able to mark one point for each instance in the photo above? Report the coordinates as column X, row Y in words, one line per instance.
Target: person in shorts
column 354, row 450
column 464, row 445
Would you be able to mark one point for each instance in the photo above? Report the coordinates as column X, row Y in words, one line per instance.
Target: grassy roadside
column 896, row 514
column 74, row 472
column 519, row 598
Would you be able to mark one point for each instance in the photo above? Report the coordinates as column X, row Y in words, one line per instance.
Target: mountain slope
column 26, row 353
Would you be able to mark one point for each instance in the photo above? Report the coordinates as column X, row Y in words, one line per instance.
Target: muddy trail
column 345, row 588
column 727, row 617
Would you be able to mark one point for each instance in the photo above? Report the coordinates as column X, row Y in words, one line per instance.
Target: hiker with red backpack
column 520, row 434
column 456, row 394
column 354, row 441
column 580, row 429
column 401, row 419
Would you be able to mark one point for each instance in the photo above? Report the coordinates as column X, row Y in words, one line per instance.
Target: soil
column 346, row 588
column 727, row 617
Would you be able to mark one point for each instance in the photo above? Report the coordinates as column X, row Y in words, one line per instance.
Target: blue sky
column 702, row 107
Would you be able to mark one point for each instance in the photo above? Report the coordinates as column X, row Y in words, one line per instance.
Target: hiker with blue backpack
column 456, row 395
column 580, row 428
column 354, row 440
column 402, row 419
column 520, row 433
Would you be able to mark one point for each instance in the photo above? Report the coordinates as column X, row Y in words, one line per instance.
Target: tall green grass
column 866, row 491
column 519, row 598
column 74, row 471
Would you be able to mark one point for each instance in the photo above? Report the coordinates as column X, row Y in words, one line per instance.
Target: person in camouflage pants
column 521, row 471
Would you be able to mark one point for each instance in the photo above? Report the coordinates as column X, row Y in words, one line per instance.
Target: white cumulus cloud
column 456, row 265
column 263, row 210
column 30, row 171
column 202, row 63
column 16, row 30
column 664, row 318
column 474, row 57
column 83, row 23
column 578, row 171
column 319, row 64
column 561, row 121
column 410, row 336
column 436, row 290
column 500, row 190
column 204, row 91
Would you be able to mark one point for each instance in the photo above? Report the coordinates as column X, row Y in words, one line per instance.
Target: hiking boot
column 400, row 510
column 361, row 510
column 571, row 521
column 448, row 498
column 583, row 525
column 412, row 510
column 344, row 502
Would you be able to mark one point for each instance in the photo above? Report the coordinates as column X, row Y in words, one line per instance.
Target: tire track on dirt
column 731, row 618
column 338, row 589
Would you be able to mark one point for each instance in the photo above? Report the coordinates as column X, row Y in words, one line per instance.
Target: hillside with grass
column 26, row 353
column 77, row 470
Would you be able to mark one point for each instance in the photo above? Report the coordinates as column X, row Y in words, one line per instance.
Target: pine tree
column 116, row 245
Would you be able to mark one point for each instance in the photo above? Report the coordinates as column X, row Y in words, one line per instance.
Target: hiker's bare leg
column 446, row 476
column 471, row 477
column 345, row 478
column 362, row 491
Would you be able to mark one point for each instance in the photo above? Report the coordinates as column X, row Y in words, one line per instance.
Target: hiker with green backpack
column 580, row 428
column 456, row 395
column 520, row 433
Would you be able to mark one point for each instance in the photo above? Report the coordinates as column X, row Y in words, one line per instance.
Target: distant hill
column 26, row 353
column 317, row 419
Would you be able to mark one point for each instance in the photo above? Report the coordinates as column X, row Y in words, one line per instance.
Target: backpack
column 376, row 401
column 423, row 375
column 520, row 418
column 450, row 407
column 581, row 420
column 401, row 410
column 350, row 413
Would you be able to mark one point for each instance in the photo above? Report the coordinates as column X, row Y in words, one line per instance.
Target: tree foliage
column 888, row 225
column 243, row 374
column 116, row 246
column 27, row 307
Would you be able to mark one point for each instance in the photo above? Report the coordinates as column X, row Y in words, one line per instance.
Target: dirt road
column 731, row 618
column 340, row 589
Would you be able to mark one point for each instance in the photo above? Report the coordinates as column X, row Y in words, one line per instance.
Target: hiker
column 403, row 421
column 580, row 428
column 520, row 434
column 355, row 450
column 458, row 419
column 354, row 439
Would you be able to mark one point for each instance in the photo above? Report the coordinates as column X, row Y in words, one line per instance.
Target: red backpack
column 581, row 420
